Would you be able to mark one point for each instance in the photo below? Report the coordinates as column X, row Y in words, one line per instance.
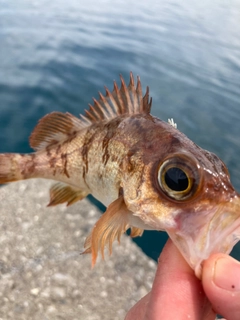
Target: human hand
column 177, row 293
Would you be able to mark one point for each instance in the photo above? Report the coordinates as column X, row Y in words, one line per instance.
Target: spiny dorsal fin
column 126, row 100
column 58, row 127
column 54, row 128
column 61, row 192
column 112, row 224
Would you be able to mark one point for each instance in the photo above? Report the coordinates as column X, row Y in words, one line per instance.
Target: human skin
column 177, row 293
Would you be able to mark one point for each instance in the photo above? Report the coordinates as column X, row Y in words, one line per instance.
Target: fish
column 148, row 174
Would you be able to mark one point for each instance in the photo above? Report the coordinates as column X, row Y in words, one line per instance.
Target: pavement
column 42, row 274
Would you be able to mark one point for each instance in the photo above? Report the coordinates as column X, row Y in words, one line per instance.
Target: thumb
column 221, row 283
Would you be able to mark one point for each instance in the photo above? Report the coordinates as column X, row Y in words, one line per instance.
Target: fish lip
column 218, row 235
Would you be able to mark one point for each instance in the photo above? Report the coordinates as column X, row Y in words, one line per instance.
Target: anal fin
column 112, row 224
column 61, row 192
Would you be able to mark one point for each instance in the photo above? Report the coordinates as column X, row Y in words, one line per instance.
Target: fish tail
column 13, row 167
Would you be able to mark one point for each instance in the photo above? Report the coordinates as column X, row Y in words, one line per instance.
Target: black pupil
column 176, row 179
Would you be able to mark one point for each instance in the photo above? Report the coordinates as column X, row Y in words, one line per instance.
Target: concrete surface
column 42, row 274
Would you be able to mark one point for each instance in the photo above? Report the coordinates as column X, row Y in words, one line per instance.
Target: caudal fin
column 11, row 165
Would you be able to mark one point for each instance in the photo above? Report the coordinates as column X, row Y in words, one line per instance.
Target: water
column 56, row 55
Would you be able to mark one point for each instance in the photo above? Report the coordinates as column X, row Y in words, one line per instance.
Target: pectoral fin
column 112, row 224
column 61, row 192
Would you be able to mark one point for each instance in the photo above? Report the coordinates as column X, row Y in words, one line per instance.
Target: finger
column 137, row 312
column 221, row 282
column 176, row 292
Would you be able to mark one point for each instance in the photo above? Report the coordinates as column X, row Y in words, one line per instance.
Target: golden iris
column 177, row 179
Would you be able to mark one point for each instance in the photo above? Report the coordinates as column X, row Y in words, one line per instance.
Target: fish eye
column 177, row 178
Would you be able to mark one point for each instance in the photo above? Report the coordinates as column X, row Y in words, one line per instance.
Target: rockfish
column 147, row 173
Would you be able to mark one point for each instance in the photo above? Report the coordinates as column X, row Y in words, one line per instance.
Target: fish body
column 147, row 173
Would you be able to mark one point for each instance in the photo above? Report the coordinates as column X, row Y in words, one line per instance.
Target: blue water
column 56, row 55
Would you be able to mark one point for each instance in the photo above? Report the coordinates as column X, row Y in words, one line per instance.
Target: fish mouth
column 207, row 231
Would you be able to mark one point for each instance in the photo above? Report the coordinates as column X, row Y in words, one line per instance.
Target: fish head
column 187, row 192
column 205, row 208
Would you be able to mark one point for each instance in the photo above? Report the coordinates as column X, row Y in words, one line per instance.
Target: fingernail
column 227, row 274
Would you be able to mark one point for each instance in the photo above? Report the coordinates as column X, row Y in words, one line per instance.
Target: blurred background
column 56, row 55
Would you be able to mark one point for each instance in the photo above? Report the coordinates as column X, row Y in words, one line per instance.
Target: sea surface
column 56, row 55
